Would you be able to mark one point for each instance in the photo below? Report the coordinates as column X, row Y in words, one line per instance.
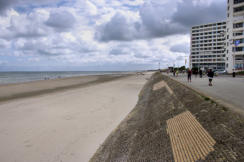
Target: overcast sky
column 100, row 34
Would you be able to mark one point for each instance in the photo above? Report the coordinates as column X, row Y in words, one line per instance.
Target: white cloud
column 35, row 59
column 119, row 34
column 4, row 44
column 3, row 62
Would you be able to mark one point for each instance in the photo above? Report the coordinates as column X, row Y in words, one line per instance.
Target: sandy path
column 65, row 126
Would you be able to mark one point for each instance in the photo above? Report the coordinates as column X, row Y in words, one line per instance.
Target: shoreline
column 40, row 87
column 44, row 78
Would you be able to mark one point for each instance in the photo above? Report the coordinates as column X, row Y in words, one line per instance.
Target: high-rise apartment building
column 208, row 46
column 235, row 35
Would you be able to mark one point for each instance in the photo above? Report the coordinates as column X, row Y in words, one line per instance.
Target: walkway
column 225, row 88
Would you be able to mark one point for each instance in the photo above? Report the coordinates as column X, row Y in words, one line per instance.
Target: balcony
column 239, row 45
column 238, row 37
column 238, row 4
column 238, row 29
column 238, row 53
column 240, row 13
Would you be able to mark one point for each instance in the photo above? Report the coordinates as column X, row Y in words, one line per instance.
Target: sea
column 21, row 77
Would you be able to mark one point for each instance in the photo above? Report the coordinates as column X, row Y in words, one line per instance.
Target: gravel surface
column 142, row 135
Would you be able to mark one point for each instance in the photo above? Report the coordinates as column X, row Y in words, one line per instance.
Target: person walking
column 196, row 73
column 189, row 72
column 177, row 72
column 234, row 74
column 210, row 77
column 200, row 73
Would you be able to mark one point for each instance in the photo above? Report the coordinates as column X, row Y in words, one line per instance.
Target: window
column 237, row 1
column 238, row 25
column 238, row 49
column 238, row 9
column 238, row 34
column 238, row 41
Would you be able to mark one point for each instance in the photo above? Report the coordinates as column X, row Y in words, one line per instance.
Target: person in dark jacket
column 196, row 73
column 234, row 74
column 200, row 73
column 189, row 72
column 210, row 77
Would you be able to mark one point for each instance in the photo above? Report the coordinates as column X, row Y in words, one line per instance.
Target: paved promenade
column 225, row 88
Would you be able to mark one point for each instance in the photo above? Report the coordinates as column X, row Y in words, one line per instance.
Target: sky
column 100, row 35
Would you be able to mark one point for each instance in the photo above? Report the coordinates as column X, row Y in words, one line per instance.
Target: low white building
column 208, row 48
column 235, row 35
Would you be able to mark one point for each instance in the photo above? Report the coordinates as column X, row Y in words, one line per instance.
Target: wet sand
column 35, row 88
column 65, row 119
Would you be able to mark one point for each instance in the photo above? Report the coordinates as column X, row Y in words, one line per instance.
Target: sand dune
column 66, row 125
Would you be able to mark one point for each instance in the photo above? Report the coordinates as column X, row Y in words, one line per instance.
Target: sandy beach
column 64, row 119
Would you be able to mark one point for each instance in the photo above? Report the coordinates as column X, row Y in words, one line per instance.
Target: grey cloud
column 29, row 34
column 87, row 50
column 161, row 20
column 130, row 49
column 29, row 46
column 139, row 55
column 14, row 34
column 3, row 43
column 115, row 52
column 61, row 21
column 48, row 52
column 182, row 48
column 118, row 28
column 179, row 58
column 119, row 51
column 157, row 22
column 153, row 23
column 40, row 48
column 3, row 62
column 56, row 47
column 23, row 28
column 189, row 14
column 6, row 4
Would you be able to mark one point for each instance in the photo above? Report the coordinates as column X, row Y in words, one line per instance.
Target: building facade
column 235, row 36
column 208, row 48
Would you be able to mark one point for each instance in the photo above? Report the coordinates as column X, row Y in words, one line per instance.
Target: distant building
column 208, row 46
column 235, row 35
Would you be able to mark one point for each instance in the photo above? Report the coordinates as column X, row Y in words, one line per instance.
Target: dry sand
column 67, row 125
